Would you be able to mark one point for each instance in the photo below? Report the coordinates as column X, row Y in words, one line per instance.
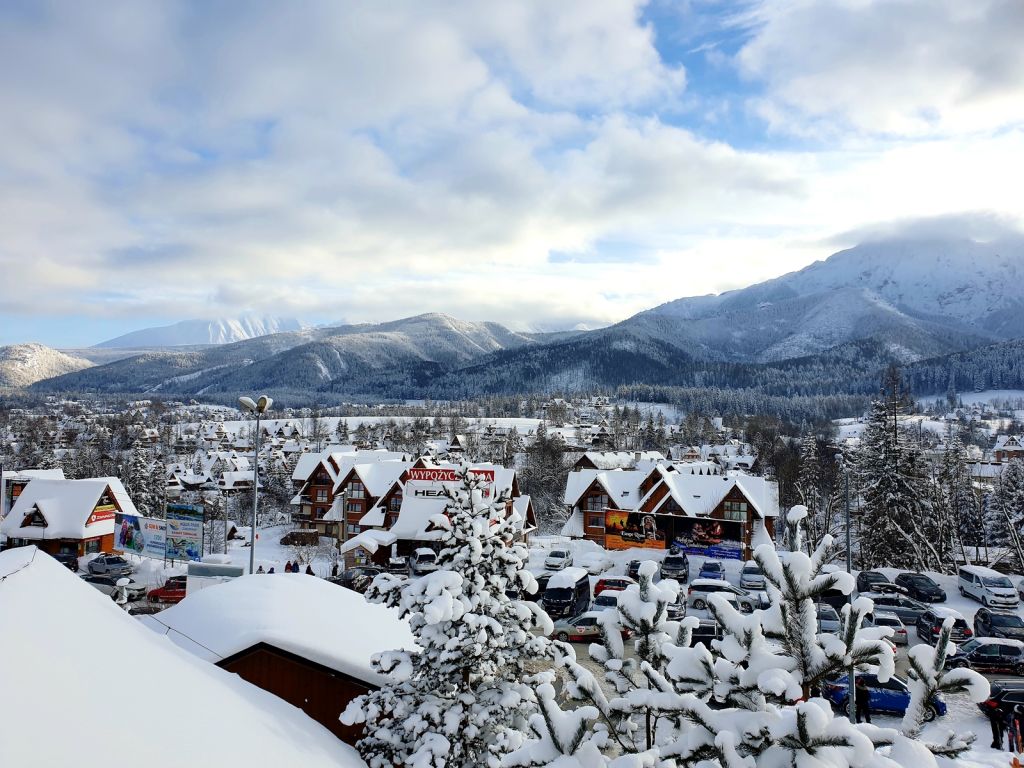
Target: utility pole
column 851, row 675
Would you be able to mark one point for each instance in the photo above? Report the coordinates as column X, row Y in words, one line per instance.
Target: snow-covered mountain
column 198, row 332
column 24, row 364
column 922, row 298
column 307, row 360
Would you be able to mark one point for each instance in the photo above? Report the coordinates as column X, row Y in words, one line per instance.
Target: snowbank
column 86, row 685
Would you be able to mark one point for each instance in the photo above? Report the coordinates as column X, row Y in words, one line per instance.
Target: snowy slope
column 926, row 298
column 165, row 708
column 195, row 332
column 24, row 364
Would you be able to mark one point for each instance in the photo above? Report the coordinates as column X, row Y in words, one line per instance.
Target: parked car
column 358, row 579
column 929, row 625
column 398, row 565
column 567, row 593
column 899, row 629
column 907, row 608
column 606, row 601
column 677, row 610
column 676, row 567
column 989, row 623
column 612, row 584
column 423, row 560
column 892, row 696
column 921, row 587
column 633, row 569
column 828, row 619
column 711, row 569
column 706, row 631
column 110, row 565
column 988, row 587
column 580, row 629
column 596, row 563
column 558, row 559
column 173, row 591
column 108, row 586
column 1004, row 695
column 989, row 654
column 751, row 576
column 866, row 580
column 303, row 537
column 697, row 595
column 67, row 560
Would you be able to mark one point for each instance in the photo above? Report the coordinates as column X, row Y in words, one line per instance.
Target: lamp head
column 264, row 403
column 248, row 403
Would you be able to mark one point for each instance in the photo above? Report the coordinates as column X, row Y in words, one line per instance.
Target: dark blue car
column 890, row 697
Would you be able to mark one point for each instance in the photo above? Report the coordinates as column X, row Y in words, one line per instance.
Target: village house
column 1008, row 448
column 301, row 638
column 74, row 517
column 694, row 507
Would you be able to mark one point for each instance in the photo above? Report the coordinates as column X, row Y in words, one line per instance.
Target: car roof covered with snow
column 567, row 577
column 1001, row 641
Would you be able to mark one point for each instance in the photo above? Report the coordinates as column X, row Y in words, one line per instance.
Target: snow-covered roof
column 573, row 527
column 370, row 540
column 567, row 577
column 622, row 486
column 622, row 459
column 204, row 703
column 301, row 614
column 67, row 507
column 377, row 477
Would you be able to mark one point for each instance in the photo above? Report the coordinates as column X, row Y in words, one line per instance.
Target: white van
column 423, row 560
column 989, row 587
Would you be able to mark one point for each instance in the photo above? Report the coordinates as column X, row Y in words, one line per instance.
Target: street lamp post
column 259, row 407
column 851, row 704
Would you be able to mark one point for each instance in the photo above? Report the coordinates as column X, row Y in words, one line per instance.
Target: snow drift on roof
column 217, row 718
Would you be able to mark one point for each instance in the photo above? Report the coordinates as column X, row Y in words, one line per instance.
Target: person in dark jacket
column 288, row 567
column 862, row 698
column 996, row 721
column 271, row 569
column 309, row 570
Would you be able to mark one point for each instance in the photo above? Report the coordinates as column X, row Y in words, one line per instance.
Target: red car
column 612, row 584
column 173, row 591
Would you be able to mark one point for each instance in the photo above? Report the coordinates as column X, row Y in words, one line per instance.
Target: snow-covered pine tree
column 811, row 493
column 743, row 702
column 1008, row 501
column 893, row 496
column 137, row 480
column 463, row 699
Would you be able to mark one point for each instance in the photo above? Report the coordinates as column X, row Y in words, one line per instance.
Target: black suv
column 676, row 567
column 992, row 623
column 1004, row 695
column 357, row 579
column 868, row 580
column 68, row 561
column 989, row 655
column 920, row 587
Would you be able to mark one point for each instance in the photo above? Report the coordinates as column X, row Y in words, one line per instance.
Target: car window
column 1014, row 697
column 1009, row 652
column 1005, row 620
column 587, row 622
column 1000, row 582
column 988, row 650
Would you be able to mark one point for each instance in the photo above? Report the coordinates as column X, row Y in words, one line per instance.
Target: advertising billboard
column 431, row 482
column 184, row 531
column 145, row 536
column 722, row 539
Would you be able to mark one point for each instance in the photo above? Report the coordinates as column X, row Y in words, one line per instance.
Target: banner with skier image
column 720, row 539
column 185, row 531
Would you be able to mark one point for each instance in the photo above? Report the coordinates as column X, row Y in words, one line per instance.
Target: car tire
column 930, row 713
column 563, row 637
column 699, row 604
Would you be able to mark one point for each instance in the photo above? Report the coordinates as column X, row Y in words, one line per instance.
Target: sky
column 542, row 164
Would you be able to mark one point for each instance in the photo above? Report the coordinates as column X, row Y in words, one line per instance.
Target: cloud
column 903, row 67
column 981, row 226
column 525, row 162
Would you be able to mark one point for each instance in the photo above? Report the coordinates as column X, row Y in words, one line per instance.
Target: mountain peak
column 204, row 332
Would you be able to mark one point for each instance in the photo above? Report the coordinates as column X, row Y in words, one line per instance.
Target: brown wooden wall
column 320, row 692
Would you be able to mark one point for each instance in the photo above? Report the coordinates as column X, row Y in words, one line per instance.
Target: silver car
column 108, row 586
column 751, row 577
column 110, row 565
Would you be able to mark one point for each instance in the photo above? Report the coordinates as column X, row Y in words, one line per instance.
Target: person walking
column 862, row 698
column 997, row 723
column 260, row 570
column 288, row 567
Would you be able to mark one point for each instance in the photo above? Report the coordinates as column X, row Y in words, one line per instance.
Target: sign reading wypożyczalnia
column 441, row 475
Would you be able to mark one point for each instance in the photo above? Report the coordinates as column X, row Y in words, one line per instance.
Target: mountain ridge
column 196, row 332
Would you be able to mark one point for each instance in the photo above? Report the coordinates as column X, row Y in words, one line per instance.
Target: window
column 321, row 511
column 354, row 506
column 395, row 502
column 595, row 521
column 321, row 495
column 736, row 510
column 92, row 546
column 598, row 502
column 356, row 490
column 352, row 529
